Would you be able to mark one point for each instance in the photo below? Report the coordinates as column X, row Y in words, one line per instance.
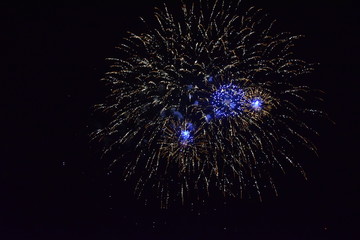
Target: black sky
column 53, row 183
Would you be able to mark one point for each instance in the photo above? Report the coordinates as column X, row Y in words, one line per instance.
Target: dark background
column 53, row 184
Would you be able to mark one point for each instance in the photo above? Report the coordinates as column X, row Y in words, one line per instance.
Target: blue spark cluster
column 257, row 104
column 228, row 100
column 185, row 136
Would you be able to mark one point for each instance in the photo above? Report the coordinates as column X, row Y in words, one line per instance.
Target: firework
column 206, row 100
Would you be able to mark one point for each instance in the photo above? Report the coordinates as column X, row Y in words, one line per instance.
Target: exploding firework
column 206, row 100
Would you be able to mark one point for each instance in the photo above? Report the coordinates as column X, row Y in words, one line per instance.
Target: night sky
column 53, row 183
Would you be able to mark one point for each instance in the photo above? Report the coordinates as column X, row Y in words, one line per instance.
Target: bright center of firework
column 256, row 104
column 227, row 100
column 185, row 137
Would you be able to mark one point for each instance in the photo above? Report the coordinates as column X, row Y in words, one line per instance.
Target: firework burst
column 209, row 99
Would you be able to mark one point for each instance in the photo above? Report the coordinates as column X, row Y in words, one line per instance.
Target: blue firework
column 257, row 104
column 227, row 101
